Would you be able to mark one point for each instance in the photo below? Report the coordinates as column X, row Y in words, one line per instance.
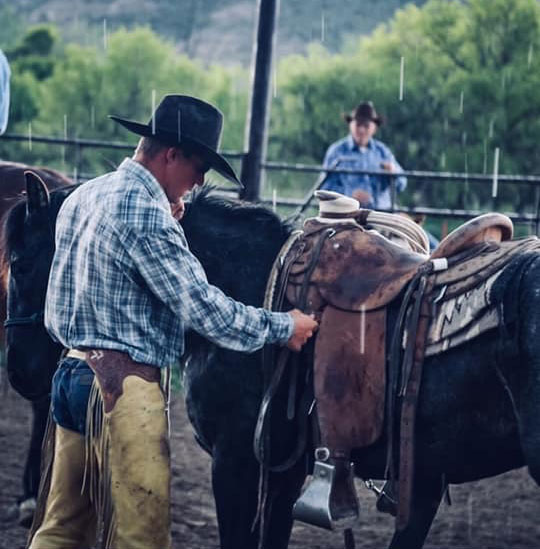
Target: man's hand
column 304, row 327
column 388, row 166
column 177, row 209
column 362, row 196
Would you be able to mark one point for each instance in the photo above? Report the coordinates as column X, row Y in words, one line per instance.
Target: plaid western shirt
column 123, row 278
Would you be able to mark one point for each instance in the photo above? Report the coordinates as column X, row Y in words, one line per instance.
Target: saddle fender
column 349, row 378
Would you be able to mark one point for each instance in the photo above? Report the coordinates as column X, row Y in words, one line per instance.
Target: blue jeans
column 71, row 386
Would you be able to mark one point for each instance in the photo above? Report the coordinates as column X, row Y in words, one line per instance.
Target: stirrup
column 386, row 496
column 330, row 499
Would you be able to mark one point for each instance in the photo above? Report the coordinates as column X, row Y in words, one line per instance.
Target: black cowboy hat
column 364, row 111
column 181, row 119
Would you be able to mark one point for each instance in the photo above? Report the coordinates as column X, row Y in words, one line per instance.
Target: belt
column 74, row 353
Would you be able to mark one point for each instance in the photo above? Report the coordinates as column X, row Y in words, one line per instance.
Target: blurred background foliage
column 471, row 85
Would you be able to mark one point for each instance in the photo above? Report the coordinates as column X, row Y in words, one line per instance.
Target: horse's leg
column 235, row 477
column 40, row 412
column 32, row 469
column 427, row 495
column 529, row 418
column 528, row 393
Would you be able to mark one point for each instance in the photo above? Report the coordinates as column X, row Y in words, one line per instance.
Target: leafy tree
column 88, row 84
column 471, row 75
column 34, row 52
column 471, row 79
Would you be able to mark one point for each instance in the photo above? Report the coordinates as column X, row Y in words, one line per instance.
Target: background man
column 361, row 151
column 123, row 289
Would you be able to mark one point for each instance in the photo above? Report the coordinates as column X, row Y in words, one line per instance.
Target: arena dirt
column 498, row 513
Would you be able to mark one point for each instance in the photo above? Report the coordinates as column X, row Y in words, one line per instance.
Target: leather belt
column 74, row 353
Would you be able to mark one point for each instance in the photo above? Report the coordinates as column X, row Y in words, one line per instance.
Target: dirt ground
column 497, row 513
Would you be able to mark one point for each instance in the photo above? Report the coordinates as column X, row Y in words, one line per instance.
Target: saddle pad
column 461, row 297
column 462, row 318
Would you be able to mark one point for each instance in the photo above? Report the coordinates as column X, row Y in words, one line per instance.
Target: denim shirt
column 350, row 156
column 4, row 92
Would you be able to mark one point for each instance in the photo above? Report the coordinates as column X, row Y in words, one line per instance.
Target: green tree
column 471, row 75
column 137, row 66
column 34, row 51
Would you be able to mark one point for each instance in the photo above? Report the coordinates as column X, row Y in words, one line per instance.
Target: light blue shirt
column 369, row 158
column 123, row 278
column 5, row 74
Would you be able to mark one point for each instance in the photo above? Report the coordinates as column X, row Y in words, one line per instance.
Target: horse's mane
column 13, row 221
column 238, row 211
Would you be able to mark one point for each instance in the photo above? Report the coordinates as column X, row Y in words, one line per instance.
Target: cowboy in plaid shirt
column 123, row 288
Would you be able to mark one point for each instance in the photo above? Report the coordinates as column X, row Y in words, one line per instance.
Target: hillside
column 213, row 30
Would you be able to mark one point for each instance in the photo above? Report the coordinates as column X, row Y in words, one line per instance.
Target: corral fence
column 296, row 199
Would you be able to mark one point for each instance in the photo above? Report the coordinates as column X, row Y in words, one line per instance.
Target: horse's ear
column 37, row 195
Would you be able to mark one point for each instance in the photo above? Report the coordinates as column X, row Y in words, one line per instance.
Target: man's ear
column 170, row 154
column 173, row 153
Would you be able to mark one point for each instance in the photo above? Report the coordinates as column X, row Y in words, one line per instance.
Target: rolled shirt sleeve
column 177, row 279
column 401, row 182
column 333, row 180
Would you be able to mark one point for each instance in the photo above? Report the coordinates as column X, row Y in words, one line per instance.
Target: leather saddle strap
column 262, row 429
column 408, row 410
column 260, row 440
column 393, row 374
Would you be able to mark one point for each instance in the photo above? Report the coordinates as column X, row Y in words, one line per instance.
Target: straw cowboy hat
column 181, row 119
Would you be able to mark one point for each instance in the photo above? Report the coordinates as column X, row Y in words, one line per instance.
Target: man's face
column 183, row 173
column 362, row 131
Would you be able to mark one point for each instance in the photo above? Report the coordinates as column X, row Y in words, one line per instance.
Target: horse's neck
column 243, row 271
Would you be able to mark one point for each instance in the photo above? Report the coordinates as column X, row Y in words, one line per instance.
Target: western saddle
column 348, row 274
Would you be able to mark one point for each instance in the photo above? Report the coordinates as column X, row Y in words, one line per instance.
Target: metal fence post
column 258, row 115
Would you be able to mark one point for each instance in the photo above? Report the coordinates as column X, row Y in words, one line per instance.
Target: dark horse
column 12, row 184
column 479, row 409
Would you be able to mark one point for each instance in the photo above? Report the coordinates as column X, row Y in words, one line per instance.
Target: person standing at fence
column 5, row 75
column 123, row 288
column 361, row 151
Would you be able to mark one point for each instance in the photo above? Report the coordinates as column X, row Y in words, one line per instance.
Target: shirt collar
column 353, row 146
column 135, row 170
